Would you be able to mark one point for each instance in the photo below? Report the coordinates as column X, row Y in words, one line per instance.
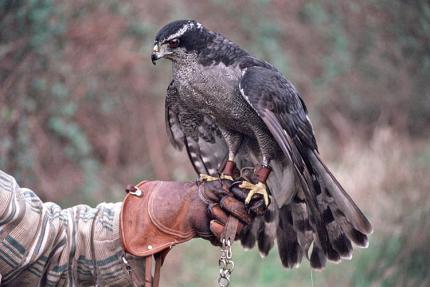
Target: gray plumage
column 223, row 102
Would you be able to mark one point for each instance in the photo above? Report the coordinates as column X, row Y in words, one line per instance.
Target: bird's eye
column 173, row 43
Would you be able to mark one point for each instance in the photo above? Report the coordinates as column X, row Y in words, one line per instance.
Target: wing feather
column 199, row 134
column 173, row 126
column 331, row 218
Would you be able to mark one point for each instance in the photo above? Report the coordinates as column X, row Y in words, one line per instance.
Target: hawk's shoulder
column 271, row 95
column 221, row 50
column 249, row 61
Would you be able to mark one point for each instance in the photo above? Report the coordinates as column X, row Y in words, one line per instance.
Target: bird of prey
column 230, row 109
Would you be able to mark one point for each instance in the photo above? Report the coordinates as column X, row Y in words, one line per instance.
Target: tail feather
column 353, row 234
column 289, row 248
column 342, row 199
column 338, row 240
column 318, row 259
column 311, row 190
column 248, row 234
column 301, row 224
column 267, row 232
column 360, row 239
column 312, row 214
column 266, row 237
column 334, row 218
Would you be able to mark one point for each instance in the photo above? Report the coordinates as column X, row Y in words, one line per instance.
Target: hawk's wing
column 320, row 210
column 201, row 137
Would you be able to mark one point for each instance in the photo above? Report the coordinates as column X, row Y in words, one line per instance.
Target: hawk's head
column 178, row 39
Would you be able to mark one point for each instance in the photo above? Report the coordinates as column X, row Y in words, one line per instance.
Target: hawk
column 230, row 109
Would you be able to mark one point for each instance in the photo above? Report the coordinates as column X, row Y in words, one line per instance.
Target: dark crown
column 210, row 47
column 178, row 28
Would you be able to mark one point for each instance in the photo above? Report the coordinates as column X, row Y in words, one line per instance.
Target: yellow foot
column 259, row 188
column 229, row 177
column 207, row 177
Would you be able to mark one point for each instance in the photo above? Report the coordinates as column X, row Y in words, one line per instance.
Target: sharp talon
column 246, row 185
column 229, row 177
column 207, row 177
column 259, row 188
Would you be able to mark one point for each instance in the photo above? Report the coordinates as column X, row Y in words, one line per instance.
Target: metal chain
column 226, row 265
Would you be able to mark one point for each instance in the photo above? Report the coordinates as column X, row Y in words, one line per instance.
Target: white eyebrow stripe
column 184, row 29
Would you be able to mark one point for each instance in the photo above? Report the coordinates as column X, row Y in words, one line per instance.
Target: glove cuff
column 154, row 219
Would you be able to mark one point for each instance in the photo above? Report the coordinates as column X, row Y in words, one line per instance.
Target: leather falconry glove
column 157, row 215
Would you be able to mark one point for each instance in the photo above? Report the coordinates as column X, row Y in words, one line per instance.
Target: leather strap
column 158, row 263
column 230, row 229
column 229, row 168
column 263, row 173
column 148, row 271
column 152, row 281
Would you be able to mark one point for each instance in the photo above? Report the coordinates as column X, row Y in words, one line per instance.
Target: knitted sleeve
column 42, row 244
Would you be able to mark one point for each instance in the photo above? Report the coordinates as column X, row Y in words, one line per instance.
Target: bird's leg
column 262, row 174
column 266, row 144
column 259, row 188
column 227, row 172
column 207, row 177
column 233, row 140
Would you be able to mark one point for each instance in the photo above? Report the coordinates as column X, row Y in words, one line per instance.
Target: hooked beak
column 155, row 53
column 154, row 58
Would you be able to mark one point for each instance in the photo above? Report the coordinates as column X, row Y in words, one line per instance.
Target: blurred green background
column 82, row 115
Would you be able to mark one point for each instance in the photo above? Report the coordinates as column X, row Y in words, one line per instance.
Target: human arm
column 42, row 244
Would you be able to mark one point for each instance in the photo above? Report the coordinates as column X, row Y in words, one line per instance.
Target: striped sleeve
column 42, row 244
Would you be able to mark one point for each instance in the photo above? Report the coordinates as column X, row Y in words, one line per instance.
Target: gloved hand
column 168, row 213
column 227, row 199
